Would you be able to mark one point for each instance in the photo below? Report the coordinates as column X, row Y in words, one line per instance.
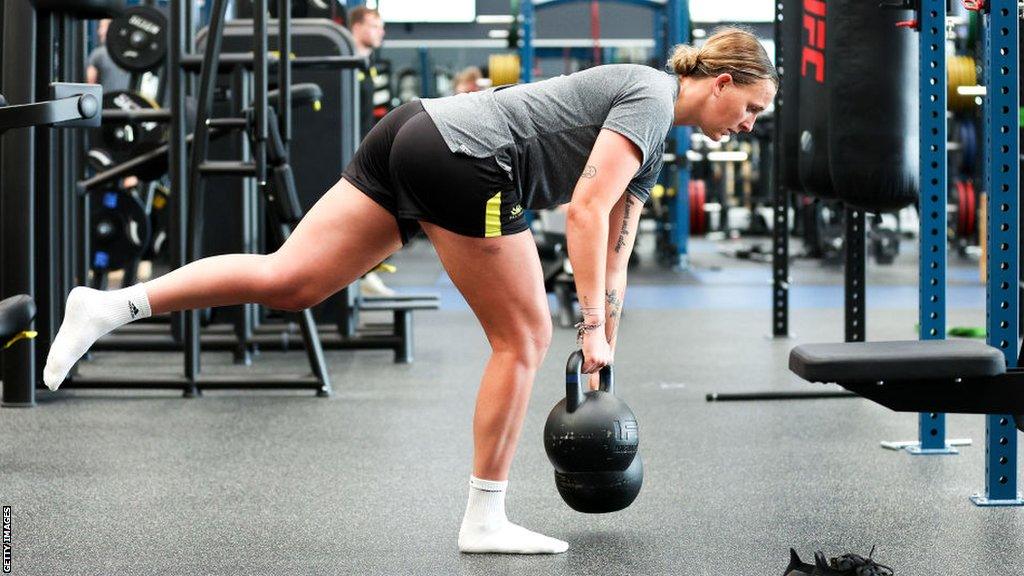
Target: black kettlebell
column 592, row 432
column 601, row 492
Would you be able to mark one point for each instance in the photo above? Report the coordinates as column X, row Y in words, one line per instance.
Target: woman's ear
column 721, row 81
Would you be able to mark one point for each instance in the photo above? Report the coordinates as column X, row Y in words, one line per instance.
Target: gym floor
column 374, row 479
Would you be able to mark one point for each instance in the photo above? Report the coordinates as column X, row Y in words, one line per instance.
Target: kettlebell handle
column 574, row 381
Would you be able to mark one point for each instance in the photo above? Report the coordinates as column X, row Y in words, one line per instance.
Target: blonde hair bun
column 730, row 50
column 684, row 59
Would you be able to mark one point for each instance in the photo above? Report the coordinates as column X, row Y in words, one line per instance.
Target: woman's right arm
column 612, row 164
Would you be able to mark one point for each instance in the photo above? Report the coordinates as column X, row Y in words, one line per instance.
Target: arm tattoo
column 624, row 232
column 611, row 297
column 590, row 171
column 614, row 304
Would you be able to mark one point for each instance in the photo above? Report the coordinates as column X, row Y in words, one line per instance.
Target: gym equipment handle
column 143, row 115
column 230, row 61
column 81, row 107
column 574, row 381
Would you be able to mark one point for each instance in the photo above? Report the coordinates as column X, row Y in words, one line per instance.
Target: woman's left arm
column 623, row 225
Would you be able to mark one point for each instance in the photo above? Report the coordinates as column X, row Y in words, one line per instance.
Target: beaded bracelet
column 582, row 328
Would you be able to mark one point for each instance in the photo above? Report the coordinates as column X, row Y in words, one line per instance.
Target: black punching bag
column 873, row 113
column 789, row 142
column 814, row 67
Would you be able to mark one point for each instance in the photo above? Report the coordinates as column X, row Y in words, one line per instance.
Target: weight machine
column 30, row 207
column 41, row 260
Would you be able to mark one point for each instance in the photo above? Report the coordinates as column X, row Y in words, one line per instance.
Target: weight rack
column 186, row 247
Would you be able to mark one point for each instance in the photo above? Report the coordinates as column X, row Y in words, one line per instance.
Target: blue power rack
column 1002, row 154
column 932, row 286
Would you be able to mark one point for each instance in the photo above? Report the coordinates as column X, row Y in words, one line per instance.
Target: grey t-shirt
column 542, row 133
column 111, row 76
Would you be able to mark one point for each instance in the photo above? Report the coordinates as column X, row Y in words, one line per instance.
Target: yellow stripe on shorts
column 492, row 221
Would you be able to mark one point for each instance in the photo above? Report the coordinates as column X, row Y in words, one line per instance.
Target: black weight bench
column 956, row 376
column 16, row 314
column 401, row 306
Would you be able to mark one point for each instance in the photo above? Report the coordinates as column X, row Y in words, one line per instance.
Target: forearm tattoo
column 590, row 171
column 624, row 232
column 614, row 303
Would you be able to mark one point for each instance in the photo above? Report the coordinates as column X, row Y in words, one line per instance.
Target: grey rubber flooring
column 373, row 480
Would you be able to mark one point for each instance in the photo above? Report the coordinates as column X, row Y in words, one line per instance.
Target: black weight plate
column 137, row 40
column 120, row 230
column 126, row 139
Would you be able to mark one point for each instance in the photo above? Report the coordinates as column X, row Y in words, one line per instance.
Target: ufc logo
column 814, row 40
column 626, row 431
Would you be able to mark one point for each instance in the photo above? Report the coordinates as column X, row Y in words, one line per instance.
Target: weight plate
column 961, row 207
column 692, row 195
column 127, row 139
column 137, row 40
column 969, row 146
column 120, row 230
column 503, row 69
column 972, row 209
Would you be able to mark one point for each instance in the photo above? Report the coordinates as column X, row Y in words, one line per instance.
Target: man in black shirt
column 368, row 31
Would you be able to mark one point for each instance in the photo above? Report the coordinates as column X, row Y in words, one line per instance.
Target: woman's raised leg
column 501, row 280
column 341, row 237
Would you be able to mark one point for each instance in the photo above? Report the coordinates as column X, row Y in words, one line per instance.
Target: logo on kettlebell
column 626, row 431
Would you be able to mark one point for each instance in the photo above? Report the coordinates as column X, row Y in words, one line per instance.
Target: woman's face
column 733, row 107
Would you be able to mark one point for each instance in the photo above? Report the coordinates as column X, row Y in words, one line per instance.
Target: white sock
column 485, row 528
column 90, row 314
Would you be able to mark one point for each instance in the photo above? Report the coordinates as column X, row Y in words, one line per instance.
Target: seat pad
column 896, row 360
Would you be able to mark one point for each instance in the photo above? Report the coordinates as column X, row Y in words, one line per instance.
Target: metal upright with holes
column 1002, row 185
column 780, row 227
column 854, row 272
column 932, row 262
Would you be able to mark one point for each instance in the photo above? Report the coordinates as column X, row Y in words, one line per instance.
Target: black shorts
column 405, row 165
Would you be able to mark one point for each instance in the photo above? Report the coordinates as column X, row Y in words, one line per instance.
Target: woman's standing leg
column 501, row 280
column 341, row 237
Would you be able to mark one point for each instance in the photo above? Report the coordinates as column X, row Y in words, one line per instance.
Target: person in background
column 102, row 70
column 468, row 80
column 367, row 30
